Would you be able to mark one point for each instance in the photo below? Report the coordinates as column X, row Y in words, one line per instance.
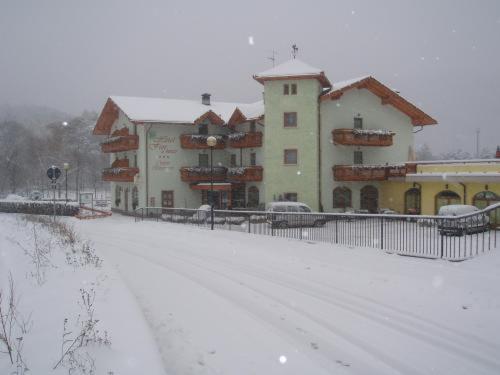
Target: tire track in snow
column 372, row 351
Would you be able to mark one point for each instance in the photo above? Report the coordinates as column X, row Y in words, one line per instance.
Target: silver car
column 293, row 214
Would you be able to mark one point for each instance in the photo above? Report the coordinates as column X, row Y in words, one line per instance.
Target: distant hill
column 31, row 116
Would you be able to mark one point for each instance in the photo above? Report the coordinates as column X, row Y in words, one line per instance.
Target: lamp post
column 211, row 142
column 66, row 168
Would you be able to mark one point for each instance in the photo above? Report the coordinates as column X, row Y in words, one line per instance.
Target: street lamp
column 211, row 142
column 66, row 169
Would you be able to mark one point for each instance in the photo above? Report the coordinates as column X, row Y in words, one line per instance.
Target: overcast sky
column 444, row 56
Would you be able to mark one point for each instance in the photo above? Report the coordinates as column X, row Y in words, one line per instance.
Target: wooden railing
column 245, row 140
column 199, row 141
column 202, row 174
column 371, row 172
column 245, row 174
column 121, row 143
column 119, row 174
column 361, row 137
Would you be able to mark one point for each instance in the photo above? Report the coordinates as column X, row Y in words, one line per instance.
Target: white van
column 293, row 214
column 467, row 225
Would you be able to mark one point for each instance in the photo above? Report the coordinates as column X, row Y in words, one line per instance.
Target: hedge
column 39, row 208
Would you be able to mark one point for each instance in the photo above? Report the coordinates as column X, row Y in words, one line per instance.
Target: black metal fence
column 448, row 237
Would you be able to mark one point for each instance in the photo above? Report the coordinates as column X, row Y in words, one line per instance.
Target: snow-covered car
column 281, row 215
column 467, row 225
column 35, row 195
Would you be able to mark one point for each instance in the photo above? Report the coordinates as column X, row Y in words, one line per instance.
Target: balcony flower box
column 363, row 137
column 245, row 174
column 199, row 141
column 245, row 140
column 202, row 174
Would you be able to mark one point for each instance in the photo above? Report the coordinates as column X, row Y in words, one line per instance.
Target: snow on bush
column 38, row 207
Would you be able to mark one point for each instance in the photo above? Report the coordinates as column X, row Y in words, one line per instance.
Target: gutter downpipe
column 320, row 205
column 465, row 192
column 149, row 126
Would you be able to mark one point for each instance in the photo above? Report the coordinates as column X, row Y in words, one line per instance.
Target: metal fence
column 448, row 237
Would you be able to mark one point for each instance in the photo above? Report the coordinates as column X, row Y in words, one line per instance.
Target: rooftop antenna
column 295, row 49
column 273, row 57
column 478, row 131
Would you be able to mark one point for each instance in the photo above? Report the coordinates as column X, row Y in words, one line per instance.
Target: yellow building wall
column 392, row 193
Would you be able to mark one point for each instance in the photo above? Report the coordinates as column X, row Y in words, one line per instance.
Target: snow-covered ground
column 235, row 303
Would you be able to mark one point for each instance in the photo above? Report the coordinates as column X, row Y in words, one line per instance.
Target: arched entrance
column 369, row 198
column 342, row 197
column 484, row 199
column 445, row 198
column 413, row 198
column 253, row 196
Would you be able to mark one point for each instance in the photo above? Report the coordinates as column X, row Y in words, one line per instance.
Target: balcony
column 120, row 141
column 199, row 141
column 245, row 174
column 371, row 172
column 202, row 174
column 245, row 140
column 119, row 172
column 362, row 137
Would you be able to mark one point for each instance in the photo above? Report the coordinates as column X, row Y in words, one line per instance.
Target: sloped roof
column 293, row 69
column 177, row 111
column 387, row 96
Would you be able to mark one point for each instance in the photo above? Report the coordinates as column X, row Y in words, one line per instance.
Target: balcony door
column 369, row 198
column 167, row 198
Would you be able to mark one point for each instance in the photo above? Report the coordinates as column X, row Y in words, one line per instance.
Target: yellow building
column 432, row 184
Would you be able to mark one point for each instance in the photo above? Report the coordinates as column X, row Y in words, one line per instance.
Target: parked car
column 35, row 195
column 281, row 215
column 468, row 225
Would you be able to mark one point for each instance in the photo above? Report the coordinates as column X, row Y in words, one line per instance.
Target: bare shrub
column 13, row 329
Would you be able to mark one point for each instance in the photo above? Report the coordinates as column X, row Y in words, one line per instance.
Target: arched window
column 118, row 195
column 484, row 199
column 412, row 201
column 445, row 198
column 369, row 198
column 135, row 197
column 342, row 197
column 253, row 196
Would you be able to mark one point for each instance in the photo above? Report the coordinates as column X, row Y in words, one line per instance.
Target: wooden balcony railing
column 199, row 141
column 119, row 174
column 245, row 140
column 371, row 172
column 202, row 174
column 120, row 163
column 362, row 137
column 120, row 141
column 245, row 174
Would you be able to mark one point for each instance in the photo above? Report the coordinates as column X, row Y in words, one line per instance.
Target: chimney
column 205, row 99
column 497, row 155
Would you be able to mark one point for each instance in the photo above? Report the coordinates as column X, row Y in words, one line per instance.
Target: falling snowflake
column 422, row 58
column 299, row 173
column 282, row 359
column 353, row 12
column 250, row 40
column 337, row 104
column 64, row 123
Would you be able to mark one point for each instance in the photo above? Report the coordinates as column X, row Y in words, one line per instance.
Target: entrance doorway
column 167, row 198
column 484, row 199
column 412, row 201
column 125, row 197
column 369, row 199
column 445, row 198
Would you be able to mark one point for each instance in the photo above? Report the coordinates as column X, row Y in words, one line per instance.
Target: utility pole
column 477, row 142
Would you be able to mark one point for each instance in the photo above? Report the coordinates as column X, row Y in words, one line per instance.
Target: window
column 286, row 89
column 304, row 209
column 358, row 123
column 253, row 196
column 203, row 129
column 203, row 160
column 253, row 158
column 342, row 197
column 135, row 129
column 358, row 157
column 294, row 89
column 290, row 157
column 290, row 119
column 252, row 127
column 291, row 197
column 135, row 197
column 233, row 160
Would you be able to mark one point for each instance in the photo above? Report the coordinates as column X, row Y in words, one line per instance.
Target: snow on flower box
column 119, row 174
column 245, row 140
column 199, row 141
column 250, row 173
column 196, row 174
column 362, row 137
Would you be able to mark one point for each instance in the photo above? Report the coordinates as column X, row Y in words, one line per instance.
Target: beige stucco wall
column 340, row 113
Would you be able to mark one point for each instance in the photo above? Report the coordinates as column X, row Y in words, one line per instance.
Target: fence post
column 337, row 230
column 442, row 240
column 382, row 233
column 249, row 224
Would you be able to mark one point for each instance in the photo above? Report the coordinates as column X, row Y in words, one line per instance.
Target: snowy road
column 233, row 303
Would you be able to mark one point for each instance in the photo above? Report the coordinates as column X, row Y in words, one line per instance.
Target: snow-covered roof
column 293, row 68
column 454, row 177
column 173, row 111
column 342, row 84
